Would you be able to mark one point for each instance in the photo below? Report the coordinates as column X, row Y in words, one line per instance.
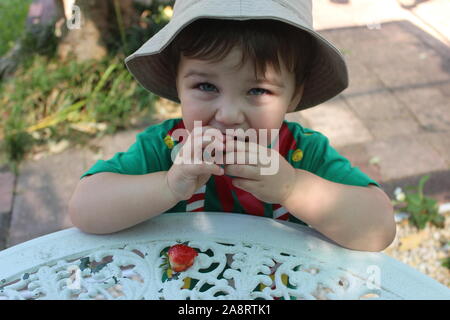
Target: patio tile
column 338, row 122
column 359, row 157
column 378, row 106
column 393, row 127
column 297, row 117
column 7, row 179
column 416, row 98
column 436, row 118
column 43, row 193
column 440, row 141
column 361, row 80
column 404, row 156
column 430, row 106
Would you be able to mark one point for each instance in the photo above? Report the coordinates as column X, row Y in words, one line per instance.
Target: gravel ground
column 423, row 249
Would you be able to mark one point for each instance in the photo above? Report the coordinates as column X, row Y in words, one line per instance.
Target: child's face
column 229, row 98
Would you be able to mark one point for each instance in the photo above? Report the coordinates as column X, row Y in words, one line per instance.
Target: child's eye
column 208, row 87
column 205, row 86
column 260, row 90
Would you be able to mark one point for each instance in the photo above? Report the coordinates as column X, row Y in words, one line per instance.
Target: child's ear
column 296, row 98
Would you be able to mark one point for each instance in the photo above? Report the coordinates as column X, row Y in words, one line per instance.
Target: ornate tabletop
column 239, row 257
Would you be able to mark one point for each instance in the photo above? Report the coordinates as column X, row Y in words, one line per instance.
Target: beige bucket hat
column 328, row 74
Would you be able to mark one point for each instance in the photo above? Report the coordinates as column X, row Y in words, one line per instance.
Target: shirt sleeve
column 327, row 163
column 141, row 158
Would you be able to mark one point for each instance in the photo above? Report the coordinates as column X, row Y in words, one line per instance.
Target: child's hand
column 273, row 188
column 187, row 177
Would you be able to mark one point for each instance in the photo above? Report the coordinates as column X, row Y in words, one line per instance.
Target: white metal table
column 240, row 257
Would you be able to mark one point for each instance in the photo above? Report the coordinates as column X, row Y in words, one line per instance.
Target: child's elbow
column 387, row 235
column 79, row 211
column 388, row 227
column 383, row 241
column 391, row 226
column 75, row 215
column 390, row 234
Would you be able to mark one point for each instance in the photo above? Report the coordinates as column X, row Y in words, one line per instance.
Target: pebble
column 428, row 255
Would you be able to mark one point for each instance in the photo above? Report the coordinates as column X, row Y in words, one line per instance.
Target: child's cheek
column 200, row 96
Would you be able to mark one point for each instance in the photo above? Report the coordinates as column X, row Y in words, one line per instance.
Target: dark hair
column 263, row 41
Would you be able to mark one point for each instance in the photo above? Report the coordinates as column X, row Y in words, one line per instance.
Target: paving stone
column 392, row 45
column 422, row 68
column 43, row 191
column 434, row 68
column 393, row 55
column 378, row 106
column 359, row 157
column 383, row 129
column 297, row 117
column 416, row 98
column 7, row 181
column 412, row 57
column 404, row 156
column 400, row 76
column 5, row 219
column 361, row 80
column 445, row 89
column 45, row 186
column 397, row 32
column 437, row 118
column 440, row 141
column 360, row 36
column 338, row 122
column 429, row 105
column 111, row 144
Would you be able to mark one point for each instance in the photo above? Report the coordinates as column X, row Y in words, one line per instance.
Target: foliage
column 152, row 19
column 422, row 209
column 49, row 99
column 39, row 39
column 13, row 14
column 446, row 262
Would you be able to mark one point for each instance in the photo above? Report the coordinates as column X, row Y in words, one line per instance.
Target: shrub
column 47, row 99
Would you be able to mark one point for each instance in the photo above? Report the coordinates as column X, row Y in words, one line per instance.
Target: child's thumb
column 211, row 168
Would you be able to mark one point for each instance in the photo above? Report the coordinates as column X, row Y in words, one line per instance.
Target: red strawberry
column 181, row 257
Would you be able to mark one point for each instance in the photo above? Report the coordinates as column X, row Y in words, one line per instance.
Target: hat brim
column 328, row 74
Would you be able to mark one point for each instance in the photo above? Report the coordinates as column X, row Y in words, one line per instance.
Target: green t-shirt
column 303, row 148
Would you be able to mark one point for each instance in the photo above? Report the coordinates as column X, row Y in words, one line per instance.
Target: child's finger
column 242, row 171
column 201, row 148
column 205, row 168
column 241, row 157
column 251, row 147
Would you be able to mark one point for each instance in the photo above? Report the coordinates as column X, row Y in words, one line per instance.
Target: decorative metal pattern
column 72, row 265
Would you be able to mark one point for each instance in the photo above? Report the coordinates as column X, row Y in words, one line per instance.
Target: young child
column 238, row 65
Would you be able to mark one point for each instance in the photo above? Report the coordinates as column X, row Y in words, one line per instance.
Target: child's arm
column 108, row 202
column 359, row 218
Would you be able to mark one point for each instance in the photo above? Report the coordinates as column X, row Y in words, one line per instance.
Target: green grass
column 13, row 15
column 50, row 100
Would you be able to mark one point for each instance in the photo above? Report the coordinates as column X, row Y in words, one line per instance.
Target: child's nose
column 230, row 116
